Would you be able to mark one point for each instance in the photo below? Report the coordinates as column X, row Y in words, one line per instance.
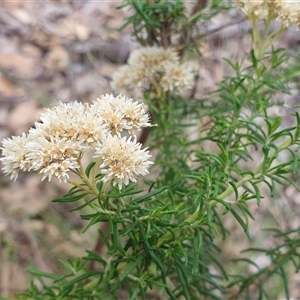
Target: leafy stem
column 189, row 220
column 86, row 180
column 257, row 171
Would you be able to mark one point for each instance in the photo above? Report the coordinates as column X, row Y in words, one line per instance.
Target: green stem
column 262, row 43
column 96, row 166
column 156, row 86
column 79, row 185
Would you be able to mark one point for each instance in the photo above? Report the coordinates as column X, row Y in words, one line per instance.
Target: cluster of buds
column 57, row 143
column 154, row 64
column 285, row 11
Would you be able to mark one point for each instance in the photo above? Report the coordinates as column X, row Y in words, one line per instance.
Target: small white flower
column 177, row 76
column 121, row 113
column 71, row 121
column 257, row 8
column 150, row 64
column 54, row 157
column 123, row 160
column 153, row 59
column 14, row 155
column 288, row 12
column 127, row 77
column 55, row 146
column 59, row 170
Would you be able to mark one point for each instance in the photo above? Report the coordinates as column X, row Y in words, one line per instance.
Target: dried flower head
column 121, row 113
column 285, row 11
column 148, row 64
column 123, row 160
column 153, row 59
column 177, row 76
column 288, row 12
column 254, row 8
column 126, row 78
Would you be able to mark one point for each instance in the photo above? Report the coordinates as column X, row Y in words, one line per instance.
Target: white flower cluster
column 285, row 11
column 257, row 8
column 56, row 144
column 156, row 63
column 288, row 12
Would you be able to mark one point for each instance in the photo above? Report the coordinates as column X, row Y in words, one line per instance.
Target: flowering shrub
column 163, row 242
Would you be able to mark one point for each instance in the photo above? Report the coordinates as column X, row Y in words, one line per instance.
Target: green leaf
column 285, row 282
column 218, row 263
column 296, row 186
column 242, row 223
column 131, row 267
column 213, row 157
column 148, row 196
column 273, row 125
column 226, row 204
column 32, row 270
column 197, row 247
column 246, row 260
column 81, row 278
column 245, row 210
column 116, row 237
column 96, row 218
column 271, row 186
column 130, row 190
column 247, row 172
column 261, row 137
column 209, row 212
column 93, row 256
column 224, row 154
column 80, row 207
column 287, row 232
column 67, row 198
column 235, row 190
column 257, row 192
column 148, row 248
column 253, row 59
column 74, row 190
column 135, row 293
column 253, row 249
column 295, row 162
column 182, row 278
column 277, row 135
column 208, row 278
column 89, row 168
column 144, row 17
